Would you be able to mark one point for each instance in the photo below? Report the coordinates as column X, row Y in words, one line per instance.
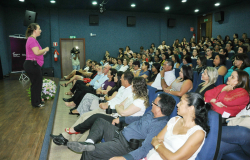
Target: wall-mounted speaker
column 131, row 21
column 30, row 17
column 171, row 22
column 93, row 19
column 219, row 16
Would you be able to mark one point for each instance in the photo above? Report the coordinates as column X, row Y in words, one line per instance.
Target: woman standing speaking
column 33, row 63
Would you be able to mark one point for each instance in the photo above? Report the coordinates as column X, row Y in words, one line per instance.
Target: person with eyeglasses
column 209, row 54
column 117, row 142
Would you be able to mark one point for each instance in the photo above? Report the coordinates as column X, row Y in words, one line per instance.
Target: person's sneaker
column 81, row 146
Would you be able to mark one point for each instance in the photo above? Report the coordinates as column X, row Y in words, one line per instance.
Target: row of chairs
column 229, row 63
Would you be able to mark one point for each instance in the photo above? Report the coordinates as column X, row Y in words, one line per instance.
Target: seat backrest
column 194, row 62
column 230, row 55
column 229, row 64
column 219, row 80
column 176, row 72
column 202, row 53
column 211, row 146
column 151, row 94
column 195, row 78
column 209, row 63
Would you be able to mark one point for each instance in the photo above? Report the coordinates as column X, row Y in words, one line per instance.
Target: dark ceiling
column 155, row 6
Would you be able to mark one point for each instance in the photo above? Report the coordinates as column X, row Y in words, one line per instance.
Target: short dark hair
column 187, row 72
column 136, row 63
column 157, row 66
column 222, row 59
column 242, row 40
column 188, row 58
column 176, row 57
column 113, row 72
column 170, row 63
column 166, row 103
column 243, row 57
column 146, row 64
column 128, row 76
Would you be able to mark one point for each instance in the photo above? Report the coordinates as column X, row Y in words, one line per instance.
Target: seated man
column 117, row 143
column 166, row 76
column 82, row 90
column 124, row 91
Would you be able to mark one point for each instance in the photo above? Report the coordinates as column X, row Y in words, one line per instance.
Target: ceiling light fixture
column 167, row 8
column 196, row 10
column 132, row 5
column 52, row 1
column 183, row 1
column 94, row 3
column 217, row 4
column 21, row 0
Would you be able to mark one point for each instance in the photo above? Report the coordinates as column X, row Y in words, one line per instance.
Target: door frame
column 200, row 20
column 83, row 39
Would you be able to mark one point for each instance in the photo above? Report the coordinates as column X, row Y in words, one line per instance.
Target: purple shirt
column 107, row 83
column 31, row 43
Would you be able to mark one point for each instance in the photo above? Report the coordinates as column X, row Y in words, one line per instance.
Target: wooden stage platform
column 22, row 127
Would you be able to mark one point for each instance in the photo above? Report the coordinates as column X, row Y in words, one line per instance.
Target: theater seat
column 210, row 149
column 219, row 80
column 230, row 55
column 238, row 155
column 195, row 79
column 210, row 63
column 229, row 64
column 194, row 62
column 176, row 72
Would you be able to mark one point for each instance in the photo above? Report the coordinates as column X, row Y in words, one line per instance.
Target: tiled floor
column 63, row 120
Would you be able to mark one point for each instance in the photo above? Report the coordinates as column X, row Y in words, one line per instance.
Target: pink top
column 31, row 43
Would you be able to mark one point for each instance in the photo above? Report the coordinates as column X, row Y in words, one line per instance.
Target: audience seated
column 119, row 65
column 184, row 135
column 241, row 62
column 209, row 54
column 154, row 72
column 116, row 145
column 232, row 97
column 144, row 70
column 124, row 67
column 195, row 54
column 219, row 64
column 187, row 61
column 182, row 84
column 90, row 101
column 136, row 69
column 210, row 76
column 165, row 77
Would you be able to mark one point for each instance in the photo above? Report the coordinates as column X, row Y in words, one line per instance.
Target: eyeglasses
column 153, row 103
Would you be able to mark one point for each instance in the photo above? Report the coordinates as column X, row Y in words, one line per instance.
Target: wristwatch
column 157, row 146
column 162, row 77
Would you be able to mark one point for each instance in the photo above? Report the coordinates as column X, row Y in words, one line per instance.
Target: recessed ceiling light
column 217, row 4
column 52, row 1
column 196, row 10
column 184, row 1
column 132, row 5
column 167, row 8
column 21, row 0
column 94, row 3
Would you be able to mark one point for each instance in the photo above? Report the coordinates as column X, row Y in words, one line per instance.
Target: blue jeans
column 234, row 138
column 76, row 67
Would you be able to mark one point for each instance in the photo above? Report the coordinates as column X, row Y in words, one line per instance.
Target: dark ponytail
column 201, row 110
column 30, row 29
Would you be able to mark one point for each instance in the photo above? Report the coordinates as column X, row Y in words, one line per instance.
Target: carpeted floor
column 63, row 120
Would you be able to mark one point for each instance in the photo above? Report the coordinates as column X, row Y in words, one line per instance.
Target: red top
column 235, row 100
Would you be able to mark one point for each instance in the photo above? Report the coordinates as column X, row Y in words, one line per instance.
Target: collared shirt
column 98, row 76
column 169, row 77
column 145, row 127
column 100, row 81
column 121, row 95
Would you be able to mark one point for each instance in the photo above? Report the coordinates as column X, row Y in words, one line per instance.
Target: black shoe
column 73, row 109
column 81, row 146
column 59, row 140
column 54, row 136
column 67, row 100
column 39, row 106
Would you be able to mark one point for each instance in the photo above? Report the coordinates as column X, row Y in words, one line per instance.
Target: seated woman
column 232, row 97
column 164, row 56
column 176, row 60
column 241, row 62
column 219, row 64
column 209, row 54
column 184, row 135
column 91, row 65
column 210, row 76
column 124, row 67
column 130, row 65
column 195, row 54
column 170, row 52
column 201, row 64
column 75, row 101
column 114, row 62
column 134, row 105
column 154, row 71
column 182, row 84
column 184, row 53
column 144, row 70
column 187, row 61
column 176, row 51
column 95, row 69
column 91, row 100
